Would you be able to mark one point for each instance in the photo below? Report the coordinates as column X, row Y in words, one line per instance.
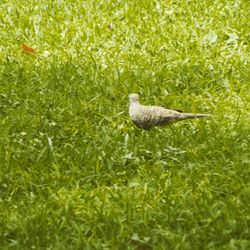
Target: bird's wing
column 154, row 115
column 166, row 116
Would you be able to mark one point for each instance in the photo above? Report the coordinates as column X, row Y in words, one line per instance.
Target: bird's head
column 133, row 98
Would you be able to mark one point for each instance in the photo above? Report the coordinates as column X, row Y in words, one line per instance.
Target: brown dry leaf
column 27, row 49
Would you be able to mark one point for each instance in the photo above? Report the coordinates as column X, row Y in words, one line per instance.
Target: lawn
column 75, row 173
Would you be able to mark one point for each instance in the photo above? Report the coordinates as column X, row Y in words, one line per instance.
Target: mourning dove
column 148, row 116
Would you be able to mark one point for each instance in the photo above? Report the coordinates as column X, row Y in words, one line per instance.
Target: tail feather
column 193, row 116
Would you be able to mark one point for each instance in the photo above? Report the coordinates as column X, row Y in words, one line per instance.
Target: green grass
column 75, row 173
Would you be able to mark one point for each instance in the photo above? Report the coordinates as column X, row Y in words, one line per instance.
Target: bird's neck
column 134, row 104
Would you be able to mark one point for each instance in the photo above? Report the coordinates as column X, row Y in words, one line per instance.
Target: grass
column 75, row 173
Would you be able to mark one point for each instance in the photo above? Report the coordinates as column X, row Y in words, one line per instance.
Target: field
column 75, row 173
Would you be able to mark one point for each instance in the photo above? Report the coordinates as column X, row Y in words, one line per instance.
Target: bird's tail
column 193, row 116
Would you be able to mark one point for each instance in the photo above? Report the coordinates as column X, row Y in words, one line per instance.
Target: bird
column 146, row 117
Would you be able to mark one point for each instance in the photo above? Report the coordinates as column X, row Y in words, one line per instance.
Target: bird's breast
column 134, row 111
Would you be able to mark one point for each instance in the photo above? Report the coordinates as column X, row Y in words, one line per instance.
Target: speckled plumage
column 148, row 116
